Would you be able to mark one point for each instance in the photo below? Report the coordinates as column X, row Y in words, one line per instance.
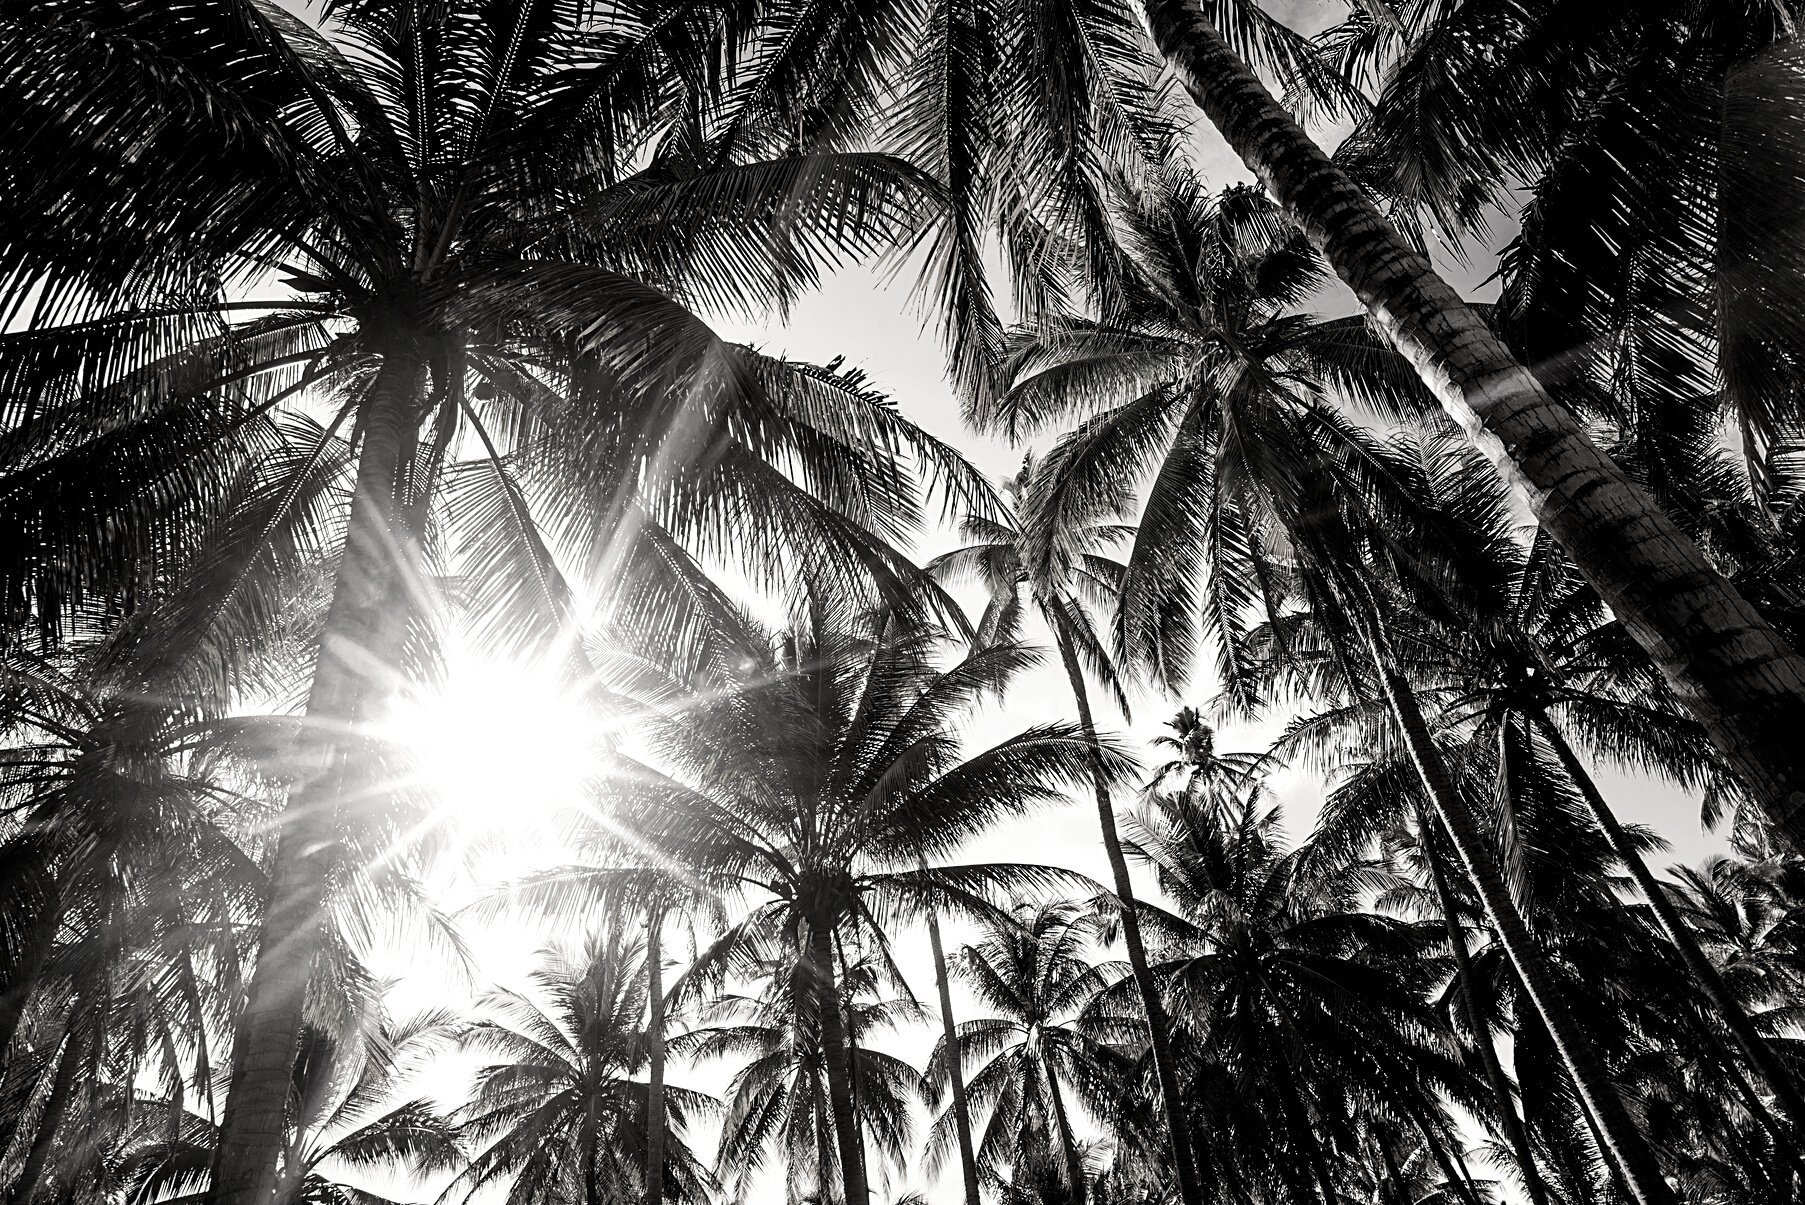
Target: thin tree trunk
column 1068, row 1146
column 50, row 1121
column 1301, row 1133
column 1625, row 1145
column 591, row 1139
column 1158, row 1038
column 839, row 1065
column 1393, row 1191
column 1514, row 1132
column 359, row 646
column 17, row 995
column 1738, row 677
column 1760, row 1056
column 655, row 1119
column 824, row 1154
column 968, row 1161
column 1453, row 1165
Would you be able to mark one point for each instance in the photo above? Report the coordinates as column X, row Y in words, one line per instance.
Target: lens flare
column 497, row 743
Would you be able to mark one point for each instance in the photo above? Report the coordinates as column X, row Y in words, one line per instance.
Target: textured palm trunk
column 655, row 1119
column 1738, row 677
column 591, row 1140
column 359, row 645
column 835, row 1055
column 1514, row 1133
column 50, row 1121
column 1760, row 1055
column 1158, row 1032
column 1622, row 1142
column 968, row 1162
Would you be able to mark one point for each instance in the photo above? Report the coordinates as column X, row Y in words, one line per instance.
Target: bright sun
column 498, row 743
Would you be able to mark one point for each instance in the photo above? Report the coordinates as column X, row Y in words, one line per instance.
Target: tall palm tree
column 1202, row 379
column 1534, row 663
column 462, row 227
column 661, row 896
column 1744, row 684
column 562, row 1112
column 1035, row 1056
column 1062, row 570
column 959, row 1106
column 778, row 1103
column 1312, row 1001
column 812, row 770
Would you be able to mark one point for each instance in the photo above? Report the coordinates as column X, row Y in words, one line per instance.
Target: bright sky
column 495, row 723
column 492, row 726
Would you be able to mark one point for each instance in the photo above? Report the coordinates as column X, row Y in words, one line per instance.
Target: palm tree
column 1062, row 570
column 1686, row 95
column 345, row 1122
column 778, row 1101
column 465, row 230
column 1028, row 968
column 1311, row 1001
column 1534, row 659
column 1203, row 771
column 1263, row 492
column 657, row 894
column 1744, row 684
column 1748, row 917
column 562, row 1114
column 814, row 769
column 959, row 1106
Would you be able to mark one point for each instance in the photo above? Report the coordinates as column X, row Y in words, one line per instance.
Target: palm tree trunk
column 1305, row 1138
column 655, row 1119
column 968, row 1161
column 1392, row 1192
column 1068, row 1146
column 1623, row 1143
column 1514, row 1132
column 839, row 1065
column 50, row 1121
column 360, row 642
column 1739, row 678
column 1760, row 1056
column 590, row 1139
column 1158, row 1038
column 17, row 995
column 1453, row 1168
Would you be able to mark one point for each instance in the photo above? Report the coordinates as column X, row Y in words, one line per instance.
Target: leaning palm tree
column 1063, row 570
column 959, row 1104
column 346, row 1123
column 562, row 1113
column 1744, row 684
column 1263, row 492
column 812, row 771
column 1035, row 1057
column 450, row 230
